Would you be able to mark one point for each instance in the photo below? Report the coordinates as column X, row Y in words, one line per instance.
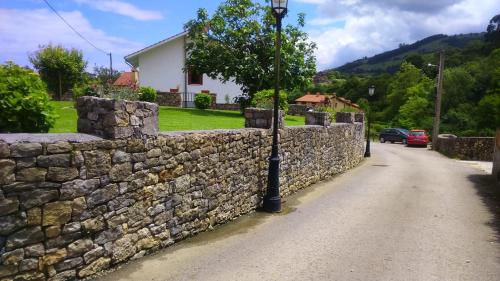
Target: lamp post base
column 272, row 204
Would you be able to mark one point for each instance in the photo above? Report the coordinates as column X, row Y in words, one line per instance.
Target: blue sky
column 343, row 29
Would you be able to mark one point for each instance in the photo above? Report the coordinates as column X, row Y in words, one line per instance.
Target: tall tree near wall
column 492, row 35
column 237, row 42
column 58, row 67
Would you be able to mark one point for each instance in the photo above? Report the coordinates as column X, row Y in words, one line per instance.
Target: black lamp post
column 371, row 92
column 272, row 199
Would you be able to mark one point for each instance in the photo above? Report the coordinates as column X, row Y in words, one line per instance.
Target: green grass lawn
column 171, row 119
column 66, row 120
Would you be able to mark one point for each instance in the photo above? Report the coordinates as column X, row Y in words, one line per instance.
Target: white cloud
column 312, row 1
column 122, row 8
column 322, row 21
column 22, row 31
column 373, row 26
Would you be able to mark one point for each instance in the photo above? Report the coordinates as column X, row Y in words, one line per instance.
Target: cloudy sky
column 344, row 30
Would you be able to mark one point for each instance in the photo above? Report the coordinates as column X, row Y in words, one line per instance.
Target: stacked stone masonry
column 169, row 99
column 318, row 118
column 298, row 109
column 466, row 148
column 72, row 207
column 228, row 106
column 114, row 119
column 262, row 118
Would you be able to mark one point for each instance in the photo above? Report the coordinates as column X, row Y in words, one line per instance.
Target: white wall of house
column 216, row 86
column 162, row 68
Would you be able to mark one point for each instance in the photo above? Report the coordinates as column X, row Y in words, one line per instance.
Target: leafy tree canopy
column 59, row 68
column 104, row 75
column 237, row 43
column 409, row 81
column 493, row 32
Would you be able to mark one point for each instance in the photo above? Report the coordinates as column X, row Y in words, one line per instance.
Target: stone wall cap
column 446, row 136
column 217, row 131
column 47, row 138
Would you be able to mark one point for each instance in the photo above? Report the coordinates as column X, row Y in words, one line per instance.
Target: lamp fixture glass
column 279, row 6
column 371, row 90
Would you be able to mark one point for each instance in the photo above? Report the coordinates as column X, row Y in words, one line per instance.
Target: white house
column 161, row 67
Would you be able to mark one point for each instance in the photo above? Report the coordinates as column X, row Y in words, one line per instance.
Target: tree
column 409, row 81
column 416, row 59
column 414, row 114
column 493, row 32
column 59, row 68
column 237, row 44
column 104, row 75
column 458, row 85
column 24, row 102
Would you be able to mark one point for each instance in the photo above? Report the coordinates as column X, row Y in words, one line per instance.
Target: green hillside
column 390, row 61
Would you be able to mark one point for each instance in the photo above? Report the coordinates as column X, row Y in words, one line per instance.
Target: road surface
column 404, row 214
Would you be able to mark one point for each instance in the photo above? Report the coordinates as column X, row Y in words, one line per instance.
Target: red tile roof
column 312, row 98
column 126, row 79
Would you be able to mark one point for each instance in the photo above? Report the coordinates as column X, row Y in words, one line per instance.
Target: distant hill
column 391, row 60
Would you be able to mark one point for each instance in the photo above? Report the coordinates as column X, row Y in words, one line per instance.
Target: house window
column 195, row 78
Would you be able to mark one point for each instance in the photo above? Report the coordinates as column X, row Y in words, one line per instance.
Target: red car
column 418, row 137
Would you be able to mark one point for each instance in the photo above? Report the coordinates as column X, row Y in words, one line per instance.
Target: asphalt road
column 404, row 214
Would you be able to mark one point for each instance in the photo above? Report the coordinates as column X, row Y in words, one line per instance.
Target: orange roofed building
column 127, row 79
column 318, row 99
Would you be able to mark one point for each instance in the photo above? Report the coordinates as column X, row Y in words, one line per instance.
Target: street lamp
column 272, row 199
column 371, row 92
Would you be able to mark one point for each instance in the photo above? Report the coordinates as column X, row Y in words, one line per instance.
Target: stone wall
column 346, row 117
column 262, row 118
column 228, row 106
column 297, row 109
column 318, row 118
column 496, row 158
column 466, row 148
column 169, row 99
column 114, row 119
column 72, row 205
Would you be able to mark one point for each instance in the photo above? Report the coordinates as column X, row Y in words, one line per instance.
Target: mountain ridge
column 389, row 61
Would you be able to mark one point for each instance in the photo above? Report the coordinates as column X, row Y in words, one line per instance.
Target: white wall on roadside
column 162, row 68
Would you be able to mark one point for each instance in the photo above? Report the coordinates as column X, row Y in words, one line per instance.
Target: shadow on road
column 489, row 191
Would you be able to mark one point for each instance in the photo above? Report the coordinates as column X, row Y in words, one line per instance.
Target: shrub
column 265, row 99
column 125, row 93
column 203, row 101
column 147, row 94
column 84, row 89
column 327, row 109
column 24, row 102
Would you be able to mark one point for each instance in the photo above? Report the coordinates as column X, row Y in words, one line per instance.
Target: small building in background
column 329, row 100
column 313, row 100
column 128, row 79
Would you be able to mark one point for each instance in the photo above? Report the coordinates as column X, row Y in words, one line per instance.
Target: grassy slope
column 171, row 119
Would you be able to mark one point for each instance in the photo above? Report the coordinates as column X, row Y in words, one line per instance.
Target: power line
column 77, row 33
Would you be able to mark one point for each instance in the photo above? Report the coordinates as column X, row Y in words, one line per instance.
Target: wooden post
column 437, row 108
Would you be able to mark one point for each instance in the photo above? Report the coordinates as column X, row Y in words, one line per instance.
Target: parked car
column 394, row 135
column 418, row 137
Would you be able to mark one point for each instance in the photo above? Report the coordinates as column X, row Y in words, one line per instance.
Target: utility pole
column 439, row 93
column 110, row 67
